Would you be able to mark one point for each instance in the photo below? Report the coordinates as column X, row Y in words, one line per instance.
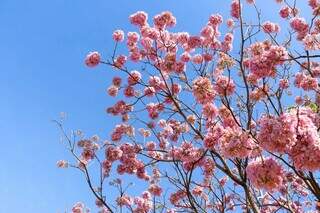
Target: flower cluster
column 269, row 27
column 264, row 58
column 295, row 133
column 265, row 174
column 300, row 26
column 93, row 59
column 203, row 90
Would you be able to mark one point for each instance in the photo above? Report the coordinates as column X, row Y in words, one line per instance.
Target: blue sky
column 43, row 44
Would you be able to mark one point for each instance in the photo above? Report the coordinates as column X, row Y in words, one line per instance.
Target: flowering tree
column 209, row 123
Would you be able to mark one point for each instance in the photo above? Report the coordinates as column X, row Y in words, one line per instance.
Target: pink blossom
column 92, row 59
column 124, row 200
column 79, row 208
column 149, row 91
column 276, row 134
column 120, row 61
column 106, row 166
column 113, row 153
column 139, row 18
column 155, row 190
column 207, row 32
column 62, row 164
column 116, row 81
column 230, row 23
column 312, row 41
column 176, row 197
column 265, row 174
column 135, row 55
column 314, row 4
column 134, row 77
column 185, row 57
column 212, row 137
column 300, row 26
column 224, row 86
column 183, row 37
column 133, row 37
column 118, row 35
column 210, row 111
column 197, row 59
column 165, row 19
column 264, row 59
column 284, row 83
column 150, row 32
column 285, row 12
column 113, row 90
column 305, row 82
column 235, row 143
column 203, row 90
column 194, row 42
column 129, row 91
column 156, row 83
column 235, row 9
column 269, row 27
column 215, row 19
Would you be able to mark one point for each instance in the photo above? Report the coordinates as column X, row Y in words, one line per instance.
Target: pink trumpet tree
column 219, row 121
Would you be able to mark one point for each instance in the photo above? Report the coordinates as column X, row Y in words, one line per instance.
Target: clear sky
column 43, row 43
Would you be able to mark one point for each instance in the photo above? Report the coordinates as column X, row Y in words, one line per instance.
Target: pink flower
column 314, row 4
column 285, row 12
column 79, row 208
column 269, row 27
column 230, row 22
column 116, row 81
column 156, row 83
column 235, row 143
column 129, row 91
column 224, row 86
column 62, row 164
column 134, row 77
column 120, row 61
column 113, row 91
column 312, row 41
column 210, row 111
column 92, row 59
column 207, row 32
column 235, row 9
column 212, row 137
column 203, row 90
column 118, row 35
column 185, row 57
column 305, row 82
column 276, row 134
column 139, row 18
column 176, row 197
column 113, row 153
column 265, row 174
column 284, row 83
column 215, row 20
column 182, row 37
column 300, row 26
column 194, row 42
column 124, row 200
column 155, row 190
column 264, row 59
column 149, row 91
column 163, row 20
column 133, row 37
column 197, row 59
